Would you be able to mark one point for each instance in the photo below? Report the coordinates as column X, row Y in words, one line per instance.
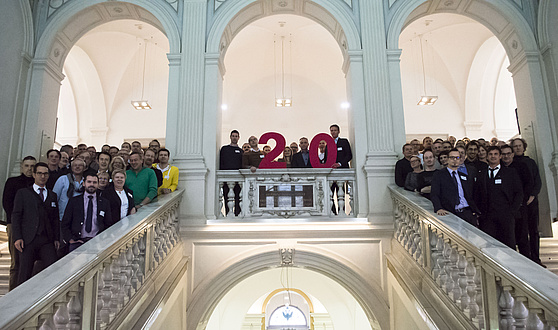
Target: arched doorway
column 65, row 25
column 515, row 34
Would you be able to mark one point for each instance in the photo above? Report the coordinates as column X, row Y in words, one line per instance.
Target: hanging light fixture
column 425, row 99
column 283, row 72
column 142, row 104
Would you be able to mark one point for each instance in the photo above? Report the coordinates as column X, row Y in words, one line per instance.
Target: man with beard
column 86, row 215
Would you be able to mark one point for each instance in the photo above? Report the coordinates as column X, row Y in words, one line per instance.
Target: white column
column 185, row 110
column 380, row 112
column 536, row 121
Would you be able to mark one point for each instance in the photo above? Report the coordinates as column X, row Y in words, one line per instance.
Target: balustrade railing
column 286, row 193
column 96, row 286
column 488, row 284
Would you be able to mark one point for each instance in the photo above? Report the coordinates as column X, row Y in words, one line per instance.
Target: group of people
column 492, row 185
column 54, row 207
column 233, row 157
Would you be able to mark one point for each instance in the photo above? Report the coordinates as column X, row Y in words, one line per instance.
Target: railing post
column 89, row 302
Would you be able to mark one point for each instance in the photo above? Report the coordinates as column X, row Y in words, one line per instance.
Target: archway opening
column 244, row 306
column 287, row 53
column 465, row 65
column 110, row 66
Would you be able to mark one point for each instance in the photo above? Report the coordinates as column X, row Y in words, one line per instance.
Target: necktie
column 42, row 194
column 89, row 219
column 454, row 174
column 492, row 172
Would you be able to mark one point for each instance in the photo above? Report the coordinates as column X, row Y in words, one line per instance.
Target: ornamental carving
column 287, row 255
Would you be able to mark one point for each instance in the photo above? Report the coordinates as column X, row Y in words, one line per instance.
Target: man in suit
column 403, row 166
column 344, row 154
column 498, row 195
column 86, row 215
column 452, row 191
column 11, row 187
column 35, row 224
column 302, row 158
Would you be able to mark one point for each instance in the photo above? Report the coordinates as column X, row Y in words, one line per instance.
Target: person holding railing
column 302, row 158
column 170, row 173
column 230, row 158
column 252, row 159
column 141, row 180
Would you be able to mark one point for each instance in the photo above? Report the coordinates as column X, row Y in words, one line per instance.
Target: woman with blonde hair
column 117, row 163
column 287, row 156
column 121, row 198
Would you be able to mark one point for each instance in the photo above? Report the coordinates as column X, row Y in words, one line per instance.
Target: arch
column 211, row 290
column 300, row 292
column 502, row 19
column 233, row 16
column 69, row 23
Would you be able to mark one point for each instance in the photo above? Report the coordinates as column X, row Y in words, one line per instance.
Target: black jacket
column 74, row 216
column 11, row 187
column 344, row 153
column 508, row 197
column 29, row 210
column 115, row 203
column 444, row 193
column 298, row 161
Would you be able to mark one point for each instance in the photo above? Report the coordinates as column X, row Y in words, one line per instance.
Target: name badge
column 237, row 151
column 53, row 204
column 130, row 195
column 464, row 178
column 498, row 181
column 102, row 213
column 339, row 148
column 262, row 156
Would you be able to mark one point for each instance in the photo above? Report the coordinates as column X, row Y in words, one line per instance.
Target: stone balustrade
column 486, row 284
column 286, row 193
column 101, row 282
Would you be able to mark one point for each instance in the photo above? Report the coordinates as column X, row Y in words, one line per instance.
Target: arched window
column 287, row 317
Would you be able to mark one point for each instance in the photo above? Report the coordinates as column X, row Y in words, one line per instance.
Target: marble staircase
column 4, row 263
column 549, row 253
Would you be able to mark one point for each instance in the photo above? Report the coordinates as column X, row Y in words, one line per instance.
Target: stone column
column 185, row 110
column 382, row 130
column 536, row 121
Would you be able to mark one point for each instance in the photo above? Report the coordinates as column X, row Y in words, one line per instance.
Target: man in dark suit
column 302, row 158
column 344, row 153
column 403, row 166
column 11, row 187
column 35, row 224
column 86, row 215
column 498, row 195
column 452, row 191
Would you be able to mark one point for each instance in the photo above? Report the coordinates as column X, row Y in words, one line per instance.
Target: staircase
column 549, row 253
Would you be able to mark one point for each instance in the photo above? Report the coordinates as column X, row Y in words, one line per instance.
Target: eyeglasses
column 42, row 173
column 454, row 157
column 506, row 153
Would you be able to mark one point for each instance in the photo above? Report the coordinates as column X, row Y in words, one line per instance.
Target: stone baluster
column 105, row 315
column 165, row 235
column 535, row 319
column 396, row 218
column 505, row 303
column 135, row 267
column 162, row 242
column 479, row 298
column 141, row 260
column 440, row 246
column 240, row 199
column 169, row 230
column 399, row 222
column 350, row 189
column 404, row 225
column 123, row 277
column 45, row 321
column 157, row 257
column 341, row 199
column 406, row 230
column 221, row 200
column 75, row 310
column 230, row 200
column 130, row 291
column 447, row 281
column 434, row 254
column 115, row 305
column 520, row 313
column 472, row 308
column 417, row 240
column 463, row 299
column 61, row 317
column 455, row 294
column 176, row 224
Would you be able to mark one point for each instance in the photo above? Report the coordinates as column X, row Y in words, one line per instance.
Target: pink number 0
column 268, row 162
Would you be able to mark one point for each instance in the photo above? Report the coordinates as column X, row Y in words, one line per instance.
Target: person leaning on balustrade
column 35, row 224
column 11, row 187
column 424, row 181
column 120, row 198
column 230, row 159
column 498, row 195
column 86, row 215
column 170, row 173
column 452, row 191
column 302, row 158
column 252, row 159
column 141, row 180
column 411, row 181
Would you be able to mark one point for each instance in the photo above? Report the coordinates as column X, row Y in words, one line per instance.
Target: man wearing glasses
column 452, row 191
column 35, row 224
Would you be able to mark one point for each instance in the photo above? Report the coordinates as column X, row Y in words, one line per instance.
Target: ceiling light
column 281, row 103
column 427, row 100
column 345, row 105
column 141, row 105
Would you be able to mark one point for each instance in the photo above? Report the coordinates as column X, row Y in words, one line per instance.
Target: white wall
column 318, row 90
